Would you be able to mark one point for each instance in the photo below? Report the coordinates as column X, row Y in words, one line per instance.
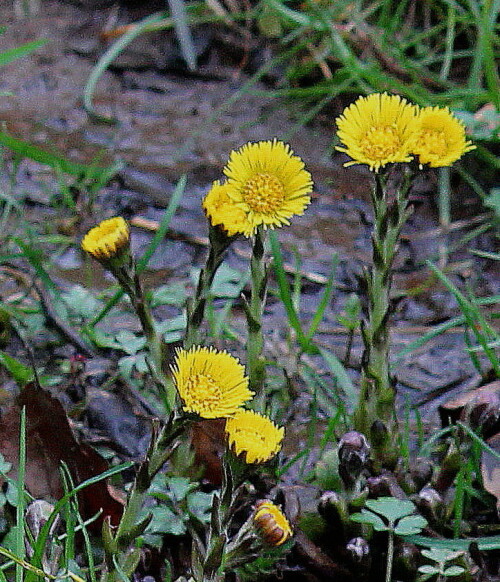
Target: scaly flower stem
column 219, row 243
column 255, row 344
column 129, row 280
column 215, row 560
column 377, row 397
column 119, row 546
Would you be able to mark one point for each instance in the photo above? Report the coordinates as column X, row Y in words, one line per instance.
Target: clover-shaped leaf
column 453, row 571
column 370, row 518
column 441, row 554
column 410, row 525
column 391, row 508
column 426, row 569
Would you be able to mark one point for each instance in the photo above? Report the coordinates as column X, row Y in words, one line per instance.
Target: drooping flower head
column 266, row 185
column 108, row 239
column 222, row 211
column 253, row 436
column 440, row 137
column 211, row 383
column 377, row 130
column 271, row 523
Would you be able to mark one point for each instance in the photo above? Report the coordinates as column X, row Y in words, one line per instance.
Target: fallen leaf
column 50, row 441
column 490, row 469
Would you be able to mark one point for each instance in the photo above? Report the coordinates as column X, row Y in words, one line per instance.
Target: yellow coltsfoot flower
column 253, row 436
column 108, row 240
column 271, row 523
column 440, row 137
column 377, row 130
column 266, row 185
column 211, row 383
column 222, row 211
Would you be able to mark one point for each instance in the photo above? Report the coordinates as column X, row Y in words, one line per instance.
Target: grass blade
column 107, row 58
column 183, row 32
column 286, row 294
column 15, row 53
column 344, row 382
column 325, row 299
column 21, row 472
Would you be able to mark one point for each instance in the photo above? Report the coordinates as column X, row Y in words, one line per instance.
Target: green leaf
column 129, row 342
column 165, row 521
column 428, row 569
column 370, row 518
column 171, row 294
column 5, row 466
column 81, row 301
column 54, row 160
column 493, row 201
column 228, row 282
column 454, row 571
column 12, row 54
column 484, row 543
column 411, row 524
column 199, row 505
column 343, row 379
column 440, row 555
column 391, row 508
column 179, row 488
column 22, row 374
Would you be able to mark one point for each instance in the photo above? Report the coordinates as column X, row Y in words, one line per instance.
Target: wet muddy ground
column 171, row 123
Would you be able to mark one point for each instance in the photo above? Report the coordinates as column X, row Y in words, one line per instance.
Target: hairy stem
column 255, row 344
column 219, row 243
column 377, row 396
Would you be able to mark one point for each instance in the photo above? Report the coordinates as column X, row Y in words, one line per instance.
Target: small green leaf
column 129, row 342
column 410, row 525
column 370, row 518
column 428, row 569
column 454, row 571
column 199, row 505
column 5, row 466
column 171, row 294
column 81, row 301
column 179, row 488
column 22, row 374
column 165, row 521
column 391, row 508
column 440, row 555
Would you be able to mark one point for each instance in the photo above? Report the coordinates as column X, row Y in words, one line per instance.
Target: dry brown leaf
column 50, row 441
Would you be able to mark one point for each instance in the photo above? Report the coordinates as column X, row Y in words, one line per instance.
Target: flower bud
column 271, row 523
column 108, row 240
column 359, row 554
column 354, row 452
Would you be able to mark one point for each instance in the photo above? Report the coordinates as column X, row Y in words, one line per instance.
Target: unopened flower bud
column 354, row 452
column 430, row 504
column 108, row 240
column 359, row 553
column 333, row 508
column 271, row 523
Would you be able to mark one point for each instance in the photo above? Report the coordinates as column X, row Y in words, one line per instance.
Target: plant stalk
column 219, row 243
column 377, row 395
column 129, row 280
column 255, row 360
column 119, row 546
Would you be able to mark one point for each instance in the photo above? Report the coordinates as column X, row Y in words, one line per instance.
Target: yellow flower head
column 267, row 183
column 271, row 523
column 108, row 239
column 440, row 137
column 210, row 383
column 377, row 130
column 222, row 211
column 253, row 436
